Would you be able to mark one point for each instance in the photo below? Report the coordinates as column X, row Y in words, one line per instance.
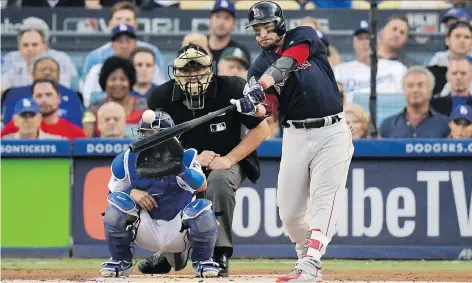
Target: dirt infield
column 242, row 275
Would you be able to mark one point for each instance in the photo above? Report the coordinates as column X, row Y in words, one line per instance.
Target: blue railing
column 401, row 148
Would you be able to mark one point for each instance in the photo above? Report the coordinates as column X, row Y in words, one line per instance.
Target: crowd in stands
column 245, row 4
column 38, row 100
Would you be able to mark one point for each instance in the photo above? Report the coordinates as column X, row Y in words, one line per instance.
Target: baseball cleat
column 205, row 269
column 298, row 275
column 116, row 268
column 222, row 261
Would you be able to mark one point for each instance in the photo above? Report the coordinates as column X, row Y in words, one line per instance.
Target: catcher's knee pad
column 120, row 223
column 121, row 212
column 200, row 219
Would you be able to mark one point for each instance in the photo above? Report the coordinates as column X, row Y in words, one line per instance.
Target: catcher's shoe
column 298, row 275
column 155, row 264
column 116, row 268
column 205, row 269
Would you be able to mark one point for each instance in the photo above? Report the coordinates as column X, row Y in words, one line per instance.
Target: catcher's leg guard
column 203, row 227
column 119, row 221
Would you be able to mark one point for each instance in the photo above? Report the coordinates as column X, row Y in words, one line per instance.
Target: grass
column 277, row 264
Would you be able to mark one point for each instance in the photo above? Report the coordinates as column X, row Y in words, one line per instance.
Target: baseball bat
column 145, row 143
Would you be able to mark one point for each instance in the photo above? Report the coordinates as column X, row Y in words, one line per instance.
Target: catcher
column 152, row 203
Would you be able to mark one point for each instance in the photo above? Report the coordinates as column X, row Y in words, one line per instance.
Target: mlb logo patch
column 218, row 127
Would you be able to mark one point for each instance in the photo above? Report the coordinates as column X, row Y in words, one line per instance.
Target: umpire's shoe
column 116, row 268
column 223, row 263
column 155, row 264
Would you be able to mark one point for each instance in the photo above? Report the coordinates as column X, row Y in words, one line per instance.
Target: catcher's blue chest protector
column 170, row 197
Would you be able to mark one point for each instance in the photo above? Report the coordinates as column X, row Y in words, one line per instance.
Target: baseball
column 149, row 116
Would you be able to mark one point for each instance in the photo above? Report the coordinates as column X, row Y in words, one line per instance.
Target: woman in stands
column 143, row 61
column 116, row 79
column 358, row 120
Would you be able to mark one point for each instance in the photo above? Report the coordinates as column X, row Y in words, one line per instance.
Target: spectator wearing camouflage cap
column 33, row 40
column 233, row 62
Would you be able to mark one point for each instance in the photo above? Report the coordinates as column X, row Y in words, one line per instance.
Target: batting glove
column 255, row 91
column 244, row 105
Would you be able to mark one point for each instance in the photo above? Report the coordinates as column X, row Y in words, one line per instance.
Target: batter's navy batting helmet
column 266, row 12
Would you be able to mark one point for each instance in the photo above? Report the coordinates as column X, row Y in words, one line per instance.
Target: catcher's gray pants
column 221, row 191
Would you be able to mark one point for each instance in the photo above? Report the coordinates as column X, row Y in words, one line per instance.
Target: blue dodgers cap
column 363, row 27
column 224, row 5
column 456, row 13
column 26, row 105
column 462, row 112
column 122, row 29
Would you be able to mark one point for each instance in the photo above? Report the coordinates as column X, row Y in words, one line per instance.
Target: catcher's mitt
column 161, row 160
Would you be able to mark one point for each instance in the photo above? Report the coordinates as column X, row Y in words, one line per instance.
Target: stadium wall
column 405, row 199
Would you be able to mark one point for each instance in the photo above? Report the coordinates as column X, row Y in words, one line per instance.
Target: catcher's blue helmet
column 162, row 121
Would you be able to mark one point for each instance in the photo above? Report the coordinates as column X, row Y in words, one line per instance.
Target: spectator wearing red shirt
column 117, row 78
column 46, row 95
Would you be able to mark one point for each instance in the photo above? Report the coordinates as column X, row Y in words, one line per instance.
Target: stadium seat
column 284, row 4
column 387, row 104
column 97, row 96
column 402, row 4
column 78, row 58
column 196, row 5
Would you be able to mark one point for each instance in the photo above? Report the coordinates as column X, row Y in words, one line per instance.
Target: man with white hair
column 418, row 119
column 111, row 121
column 33, row 40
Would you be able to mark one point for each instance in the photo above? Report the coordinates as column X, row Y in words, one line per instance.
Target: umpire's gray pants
column 221, row 191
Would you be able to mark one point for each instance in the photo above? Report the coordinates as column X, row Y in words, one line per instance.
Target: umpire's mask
column 192, row 72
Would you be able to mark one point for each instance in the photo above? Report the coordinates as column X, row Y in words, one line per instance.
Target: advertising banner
column 35, row 196
column 393, row 208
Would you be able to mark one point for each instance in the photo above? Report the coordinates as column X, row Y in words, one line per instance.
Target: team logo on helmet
column 256, row 12
column 192, row 72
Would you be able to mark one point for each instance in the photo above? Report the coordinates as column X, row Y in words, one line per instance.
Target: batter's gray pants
column 221, row 190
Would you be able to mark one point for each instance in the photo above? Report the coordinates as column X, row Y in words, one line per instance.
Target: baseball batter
column 151, row 202
column 317, row 144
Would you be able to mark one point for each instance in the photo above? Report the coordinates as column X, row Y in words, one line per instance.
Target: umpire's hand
column 206, row 157
column 145, row 200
